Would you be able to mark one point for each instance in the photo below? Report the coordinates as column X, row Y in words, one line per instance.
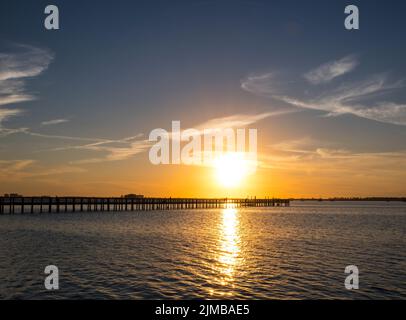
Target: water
column 251, row 253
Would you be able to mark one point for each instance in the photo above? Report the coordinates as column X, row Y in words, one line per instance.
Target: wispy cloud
column 25, row 62
column 113, row 152
column 15, row 165
column 236, row 121
column 240, row 120
column 350, row 98
column 15, row 68
column 110, row 149
column 27, row 131
column 330, row 70
column 6, row 113
column 14, row 169
column 310, row 156
column 260, row 84
column 54, row 122
column 361, row 98
column 122, row 149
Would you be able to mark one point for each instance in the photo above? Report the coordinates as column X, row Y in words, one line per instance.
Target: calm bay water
column 298, row 252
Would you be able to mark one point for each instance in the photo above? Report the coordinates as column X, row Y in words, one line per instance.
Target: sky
column 77, row 104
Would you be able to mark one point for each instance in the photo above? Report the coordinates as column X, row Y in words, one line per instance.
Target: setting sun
column 232, row 169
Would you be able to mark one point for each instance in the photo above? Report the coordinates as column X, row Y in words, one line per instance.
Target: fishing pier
column 24, row 205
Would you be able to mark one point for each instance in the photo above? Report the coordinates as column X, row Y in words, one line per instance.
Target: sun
column 231, row 169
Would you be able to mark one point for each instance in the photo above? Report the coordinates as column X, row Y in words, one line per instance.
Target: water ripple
column 252, row 253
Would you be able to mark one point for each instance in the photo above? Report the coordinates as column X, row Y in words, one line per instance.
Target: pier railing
column 14, row 205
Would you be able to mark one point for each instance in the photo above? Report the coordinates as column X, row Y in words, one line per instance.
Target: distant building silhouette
column 132, row 195
column 12, row 195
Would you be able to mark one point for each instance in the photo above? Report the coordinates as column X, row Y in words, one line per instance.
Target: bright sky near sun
column 77, row 104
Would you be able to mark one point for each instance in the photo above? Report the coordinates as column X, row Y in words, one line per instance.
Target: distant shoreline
column 385, row 199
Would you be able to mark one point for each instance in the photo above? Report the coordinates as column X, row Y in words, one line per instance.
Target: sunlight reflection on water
column 229, row 243
column 228, row 250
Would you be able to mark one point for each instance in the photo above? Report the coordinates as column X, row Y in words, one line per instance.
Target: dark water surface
column 251, row 253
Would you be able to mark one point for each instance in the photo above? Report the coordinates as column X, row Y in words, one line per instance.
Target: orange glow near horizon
column 277, row 175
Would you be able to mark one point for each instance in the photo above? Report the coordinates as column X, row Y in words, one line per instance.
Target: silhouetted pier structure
column 15, row 205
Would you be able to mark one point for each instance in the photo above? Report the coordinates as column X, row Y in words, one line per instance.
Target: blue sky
column 117, row 70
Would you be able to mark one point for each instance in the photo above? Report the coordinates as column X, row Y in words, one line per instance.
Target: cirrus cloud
column 330, row 70
column 54, row 122
column 360, row 98
column 15, row 68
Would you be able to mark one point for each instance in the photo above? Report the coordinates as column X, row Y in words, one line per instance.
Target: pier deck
column 20, row 205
